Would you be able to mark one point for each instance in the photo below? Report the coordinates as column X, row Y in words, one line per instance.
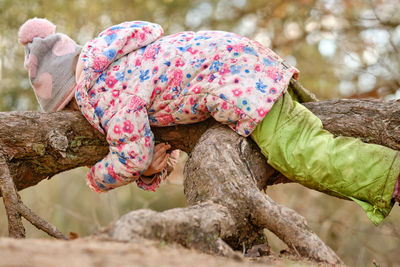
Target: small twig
column 39, row 223
column 301, row 92
column 11, row 201
column 15, row 208
column 295, row 250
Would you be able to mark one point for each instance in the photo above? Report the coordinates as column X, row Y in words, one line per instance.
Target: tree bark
column 38, row 145
column 372, row 120
column 11, row 201
column 226, row 205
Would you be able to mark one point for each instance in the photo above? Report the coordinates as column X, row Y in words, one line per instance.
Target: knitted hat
column 48, row 58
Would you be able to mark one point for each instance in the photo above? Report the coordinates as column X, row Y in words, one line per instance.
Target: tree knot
column 58, row 141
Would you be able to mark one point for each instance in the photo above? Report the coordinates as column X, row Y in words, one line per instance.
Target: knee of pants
column 287, row 119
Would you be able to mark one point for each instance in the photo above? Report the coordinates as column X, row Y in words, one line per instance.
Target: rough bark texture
column 225, row 162
column 226, row 205
column 11, row 200
column 15, row 209
column 39, row 145
column 200, row 226
column 223, row 188
column 372, row 120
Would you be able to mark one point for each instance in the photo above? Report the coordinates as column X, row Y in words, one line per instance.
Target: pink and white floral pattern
column 135, row 78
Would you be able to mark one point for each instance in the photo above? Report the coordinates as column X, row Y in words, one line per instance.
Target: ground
column 143, row 253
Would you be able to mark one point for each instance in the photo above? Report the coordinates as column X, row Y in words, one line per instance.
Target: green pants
column 294, row 142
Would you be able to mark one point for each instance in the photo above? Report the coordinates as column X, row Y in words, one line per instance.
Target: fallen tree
column 227, row 209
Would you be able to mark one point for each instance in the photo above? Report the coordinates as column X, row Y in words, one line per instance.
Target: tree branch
column 36, row 146
column 28, row 138
column 11, row 201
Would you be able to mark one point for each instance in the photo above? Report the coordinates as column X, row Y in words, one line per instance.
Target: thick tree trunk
column 222, row 186
column 226, row 205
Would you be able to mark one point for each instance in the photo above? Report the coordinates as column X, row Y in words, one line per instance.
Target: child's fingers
column 162, row 146
column 160, row 156
column 159, row 146
column 159, row 150
column 163, row 163
column 159, row 160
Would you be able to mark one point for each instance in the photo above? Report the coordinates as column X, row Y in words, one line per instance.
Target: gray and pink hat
column 48, row 58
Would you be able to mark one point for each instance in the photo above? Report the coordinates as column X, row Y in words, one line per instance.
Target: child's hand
column 159, row 161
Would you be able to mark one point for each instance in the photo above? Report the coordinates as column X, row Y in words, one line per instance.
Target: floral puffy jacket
column 134, row 78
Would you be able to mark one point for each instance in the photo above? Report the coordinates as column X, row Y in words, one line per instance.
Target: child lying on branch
column 131, row 78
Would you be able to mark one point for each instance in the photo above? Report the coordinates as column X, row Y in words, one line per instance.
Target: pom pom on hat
column 35, row 28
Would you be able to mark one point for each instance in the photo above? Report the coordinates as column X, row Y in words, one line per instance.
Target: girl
column 131, row 77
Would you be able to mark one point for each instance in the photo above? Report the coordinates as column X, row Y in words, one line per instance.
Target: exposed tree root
column 200, row 227
column 223, row 176
column 226, row 205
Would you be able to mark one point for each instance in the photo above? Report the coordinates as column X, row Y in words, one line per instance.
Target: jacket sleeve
column 131, row 149
column 115, row 42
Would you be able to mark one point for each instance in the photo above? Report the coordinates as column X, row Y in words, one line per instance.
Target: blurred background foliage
column 343, row 48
